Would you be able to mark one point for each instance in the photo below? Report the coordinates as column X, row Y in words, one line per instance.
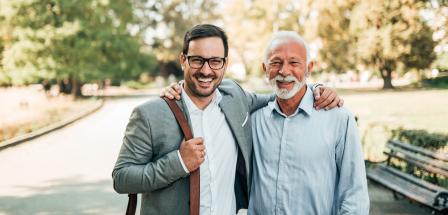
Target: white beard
column 284, row 93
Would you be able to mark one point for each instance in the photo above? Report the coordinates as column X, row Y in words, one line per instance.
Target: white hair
column 283, row 36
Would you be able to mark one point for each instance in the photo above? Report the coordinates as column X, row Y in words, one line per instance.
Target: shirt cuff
column 182, row 162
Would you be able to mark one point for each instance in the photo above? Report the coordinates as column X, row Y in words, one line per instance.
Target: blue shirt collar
column 306, row 105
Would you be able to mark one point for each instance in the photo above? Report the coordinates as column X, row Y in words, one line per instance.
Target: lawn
column 26, row 109
column 380, row 111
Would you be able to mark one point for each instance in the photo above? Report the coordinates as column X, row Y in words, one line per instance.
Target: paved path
column 69, row 171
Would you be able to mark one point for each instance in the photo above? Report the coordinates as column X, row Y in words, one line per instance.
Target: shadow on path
column 382, row 202
column 67, row 196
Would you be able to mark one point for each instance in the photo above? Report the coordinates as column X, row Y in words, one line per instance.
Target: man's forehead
column 292, row 49
column 207, row 47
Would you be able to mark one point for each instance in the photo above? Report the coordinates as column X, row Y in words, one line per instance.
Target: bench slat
column 421, row 165
column 413, row 179
column 435, row 163
column 402, row 186
column 416, row 149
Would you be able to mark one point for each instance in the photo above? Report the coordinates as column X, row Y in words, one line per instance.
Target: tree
column 164, row 23
column 337, row 52
column 80, row 41
column 252, row 23
column 388, row 33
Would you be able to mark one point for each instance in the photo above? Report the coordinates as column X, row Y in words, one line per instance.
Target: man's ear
column 263, row 66
column 182, row 60
column 310, row 68
column 226, row 62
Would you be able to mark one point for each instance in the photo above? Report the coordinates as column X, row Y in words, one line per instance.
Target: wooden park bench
column 406, row 184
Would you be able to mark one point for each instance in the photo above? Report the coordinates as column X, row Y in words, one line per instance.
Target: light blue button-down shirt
column 307, row 163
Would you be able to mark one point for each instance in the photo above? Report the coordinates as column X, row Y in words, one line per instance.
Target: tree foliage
column 337, row 53
column 384, row 36
column 164, row 23
column 252, row 23
column 81, row 40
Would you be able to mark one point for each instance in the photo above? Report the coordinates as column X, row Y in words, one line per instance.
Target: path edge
column 52, row 127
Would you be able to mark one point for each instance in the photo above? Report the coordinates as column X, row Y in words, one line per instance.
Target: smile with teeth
column 281, row 83
column 205, row 80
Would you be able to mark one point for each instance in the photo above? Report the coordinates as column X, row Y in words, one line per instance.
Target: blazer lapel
column 235, row 120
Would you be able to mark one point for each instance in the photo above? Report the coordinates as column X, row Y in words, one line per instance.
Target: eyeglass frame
column 205, row 60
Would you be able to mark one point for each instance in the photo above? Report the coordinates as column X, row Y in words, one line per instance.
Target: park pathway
column 69, row 171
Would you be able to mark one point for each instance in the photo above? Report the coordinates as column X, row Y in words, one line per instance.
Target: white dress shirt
column 217, row 174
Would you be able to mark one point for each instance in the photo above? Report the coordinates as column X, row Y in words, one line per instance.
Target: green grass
column 380, row 111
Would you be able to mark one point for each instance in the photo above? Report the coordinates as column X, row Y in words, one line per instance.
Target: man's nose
column 284, row 71
column 206, row 70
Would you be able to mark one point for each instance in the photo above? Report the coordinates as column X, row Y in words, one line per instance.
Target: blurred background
column 61, row 60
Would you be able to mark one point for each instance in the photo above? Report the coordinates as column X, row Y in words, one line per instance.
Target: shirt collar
column 193, row 108
column 306, row 105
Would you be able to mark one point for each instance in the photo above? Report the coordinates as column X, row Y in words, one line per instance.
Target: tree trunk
column 387, row 79
column 76, row 88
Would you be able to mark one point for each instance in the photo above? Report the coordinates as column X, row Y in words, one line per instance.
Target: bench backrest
column 422, row 158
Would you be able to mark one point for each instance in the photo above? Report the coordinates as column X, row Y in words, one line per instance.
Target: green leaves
column 84, row 40
column 384, row 36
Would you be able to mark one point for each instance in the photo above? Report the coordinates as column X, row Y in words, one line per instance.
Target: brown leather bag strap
column 132, row 204
column 194, row 176
column 180, row 118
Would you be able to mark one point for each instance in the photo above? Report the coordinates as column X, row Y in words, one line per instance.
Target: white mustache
column 287, row 78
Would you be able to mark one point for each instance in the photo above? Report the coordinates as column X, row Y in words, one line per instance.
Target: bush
column 421, row 138
column 438, row 82
column 135, row 85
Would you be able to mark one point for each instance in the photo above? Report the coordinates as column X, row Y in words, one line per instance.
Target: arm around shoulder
column 255, row 101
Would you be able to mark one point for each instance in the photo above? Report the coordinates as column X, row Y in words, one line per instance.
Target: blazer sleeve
column 135, row 170
column 255, row 101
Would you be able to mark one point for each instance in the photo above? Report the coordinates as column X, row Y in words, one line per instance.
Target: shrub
column 438, row 82
column 421, row 138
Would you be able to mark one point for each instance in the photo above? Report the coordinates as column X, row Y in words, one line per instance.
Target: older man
column 155, row 160
column 306, row 161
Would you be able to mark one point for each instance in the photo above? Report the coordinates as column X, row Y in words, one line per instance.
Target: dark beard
column 192, row 87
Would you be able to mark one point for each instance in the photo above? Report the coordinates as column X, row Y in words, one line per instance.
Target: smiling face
column 286, row 67
column 202, row 82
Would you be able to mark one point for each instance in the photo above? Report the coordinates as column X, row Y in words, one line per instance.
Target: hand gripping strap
column 194, row 176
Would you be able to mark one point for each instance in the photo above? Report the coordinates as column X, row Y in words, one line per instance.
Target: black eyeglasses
column 197, row 62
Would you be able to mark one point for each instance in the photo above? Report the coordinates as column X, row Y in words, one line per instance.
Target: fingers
column 341, row 102
column 177, row 88
column 199, row 147
column 197, row 141
column 202, row 154
column 333, row 104
column 172, row 91
column 317, row 93
column 329, row 99
column 193, row 153
column 323, row 97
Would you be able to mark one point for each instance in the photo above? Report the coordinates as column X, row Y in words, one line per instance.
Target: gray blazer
column 148, row 161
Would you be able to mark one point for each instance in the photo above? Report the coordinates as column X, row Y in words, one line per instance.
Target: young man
column 155, row 161
column 306, row 161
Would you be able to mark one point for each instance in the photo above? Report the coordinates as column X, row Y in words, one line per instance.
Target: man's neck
column 289, row 106
column 200, row 102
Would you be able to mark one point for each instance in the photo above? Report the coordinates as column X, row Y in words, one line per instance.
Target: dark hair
column 203, row 31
